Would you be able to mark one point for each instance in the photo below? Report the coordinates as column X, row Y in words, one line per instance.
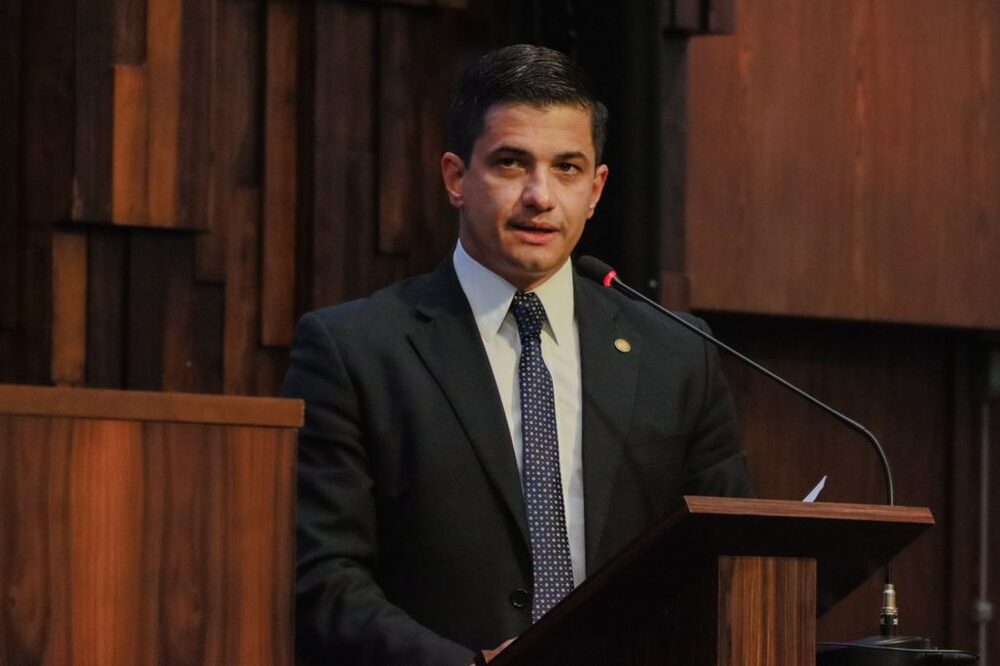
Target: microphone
column 600, row 272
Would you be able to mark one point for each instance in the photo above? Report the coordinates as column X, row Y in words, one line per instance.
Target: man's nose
column 537, row 192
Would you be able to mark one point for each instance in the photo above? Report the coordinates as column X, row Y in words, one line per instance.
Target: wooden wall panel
column 163, row 44
column 129, row 32
column 281, row 157
column 46, row 148
column 898, row 381
column 69, row 307
column 300, row 141
column 130, row 146
column 841, row 162
column 95, row 84
column 174, row 562
column 10, row 84
column 194, row 122
column 342, row 214
column 106, row 307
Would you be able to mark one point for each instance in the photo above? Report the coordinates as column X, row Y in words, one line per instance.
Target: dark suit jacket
column 412, row 535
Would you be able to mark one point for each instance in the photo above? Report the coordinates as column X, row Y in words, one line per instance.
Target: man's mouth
column 534, row 231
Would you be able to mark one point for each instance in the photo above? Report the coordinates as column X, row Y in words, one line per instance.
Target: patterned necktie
column 543, row 497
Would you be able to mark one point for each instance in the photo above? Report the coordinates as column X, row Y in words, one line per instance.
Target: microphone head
column 596, row 270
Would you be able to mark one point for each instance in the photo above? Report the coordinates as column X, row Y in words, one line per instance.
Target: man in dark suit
column 452, row 484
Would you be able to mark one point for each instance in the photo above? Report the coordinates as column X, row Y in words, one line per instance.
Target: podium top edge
column 699, row 505
column 111, row 404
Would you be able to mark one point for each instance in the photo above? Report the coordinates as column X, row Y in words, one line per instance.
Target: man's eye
column 567, row 167
column 508, row 162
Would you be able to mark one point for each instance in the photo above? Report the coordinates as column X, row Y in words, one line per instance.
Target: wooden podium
column 143, row 528
column 721, row 582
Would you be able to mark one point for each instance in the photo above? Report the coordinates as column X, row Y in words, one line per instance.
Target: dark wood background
column 179, row 180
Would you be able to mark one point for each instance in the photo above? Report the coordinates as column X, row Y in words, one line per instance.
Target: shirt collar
column 490, row 296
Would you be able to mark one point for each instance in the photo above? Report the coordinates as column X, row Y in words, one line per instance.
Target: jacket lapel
column 448, row 342
column 609, row 377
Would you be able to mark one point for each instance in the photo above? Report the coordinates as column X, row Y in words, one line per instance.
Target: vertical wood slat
column 163, row 47
column 783, row 631
column 129, row 46
column 194, row 124
column 33, row 488
column 69, row 307
column 151, row 256
column 687, row 15
column 95, row 86
column 398, row 138
column 106, row 266
column 130, row 156
column 10, row 83
column 413, row 216
column 721, row 16
column 192, row 316
column 277, row 296
column 47, row 127
column 342, row 216
column 237, row 195
column 235, row 129
column 105, row 600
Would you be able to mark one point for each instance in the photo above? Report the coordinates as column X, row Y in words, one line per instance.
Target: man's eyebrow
column 573, row 155
column 521, row 152
column 510, row 150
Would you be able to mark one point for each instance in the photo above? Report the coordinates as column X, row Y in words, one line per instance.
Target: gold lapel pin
column 623, row 345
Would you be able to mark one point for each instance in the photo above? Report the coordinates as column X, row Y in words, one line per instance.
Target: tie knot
column 530, row 315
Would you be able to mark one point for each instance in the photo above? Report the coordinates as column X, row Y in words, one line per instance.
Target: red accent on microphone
column 609, row 278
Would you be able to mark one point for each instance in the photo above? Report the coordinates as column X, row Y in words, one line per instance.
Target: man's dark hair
column 521, row 74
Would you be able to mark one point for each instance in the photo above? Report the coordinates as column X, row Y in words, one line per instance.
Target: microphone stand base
column 889, row 651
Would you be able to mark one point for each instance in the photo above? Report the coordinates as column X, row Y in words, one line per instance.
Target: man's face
column 529, row 188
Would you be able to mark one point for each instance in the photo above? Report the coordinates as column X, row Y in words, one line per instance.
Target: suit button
column 519, row 598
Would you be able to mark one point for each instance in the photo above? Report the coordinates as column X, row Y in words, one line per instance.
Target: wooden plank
column 398, row 137
column 149, row 406
column 151, row 258
column 687, row 15
column 236, row 126
column 163, row 44
column 194, row 151
column 69, row 307
column 257, row 587
column 130, row 148
column 95, row 81
column 415, row 49
column 240, row 326
column 34, row 482
column 10, row 83
column 129, row 45
column 277, row 296
column 237, row 193
column 767, row 611
column 344, row 185
column 721, row 17
column 192, row 316
column 46, row 142
column 106, row 284
column 106, row 536
column 732, row 506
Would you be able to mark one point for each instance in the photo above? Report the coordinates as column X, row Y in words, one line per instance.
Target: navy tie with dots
column 543, row 497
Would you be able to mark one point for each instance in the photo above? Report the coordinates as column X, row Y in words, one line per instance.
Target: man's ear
column 597, row 187
column 452, row 172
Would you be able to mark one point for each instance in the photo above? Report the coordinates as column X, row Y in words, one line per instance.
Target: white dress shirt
column 490, row 297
